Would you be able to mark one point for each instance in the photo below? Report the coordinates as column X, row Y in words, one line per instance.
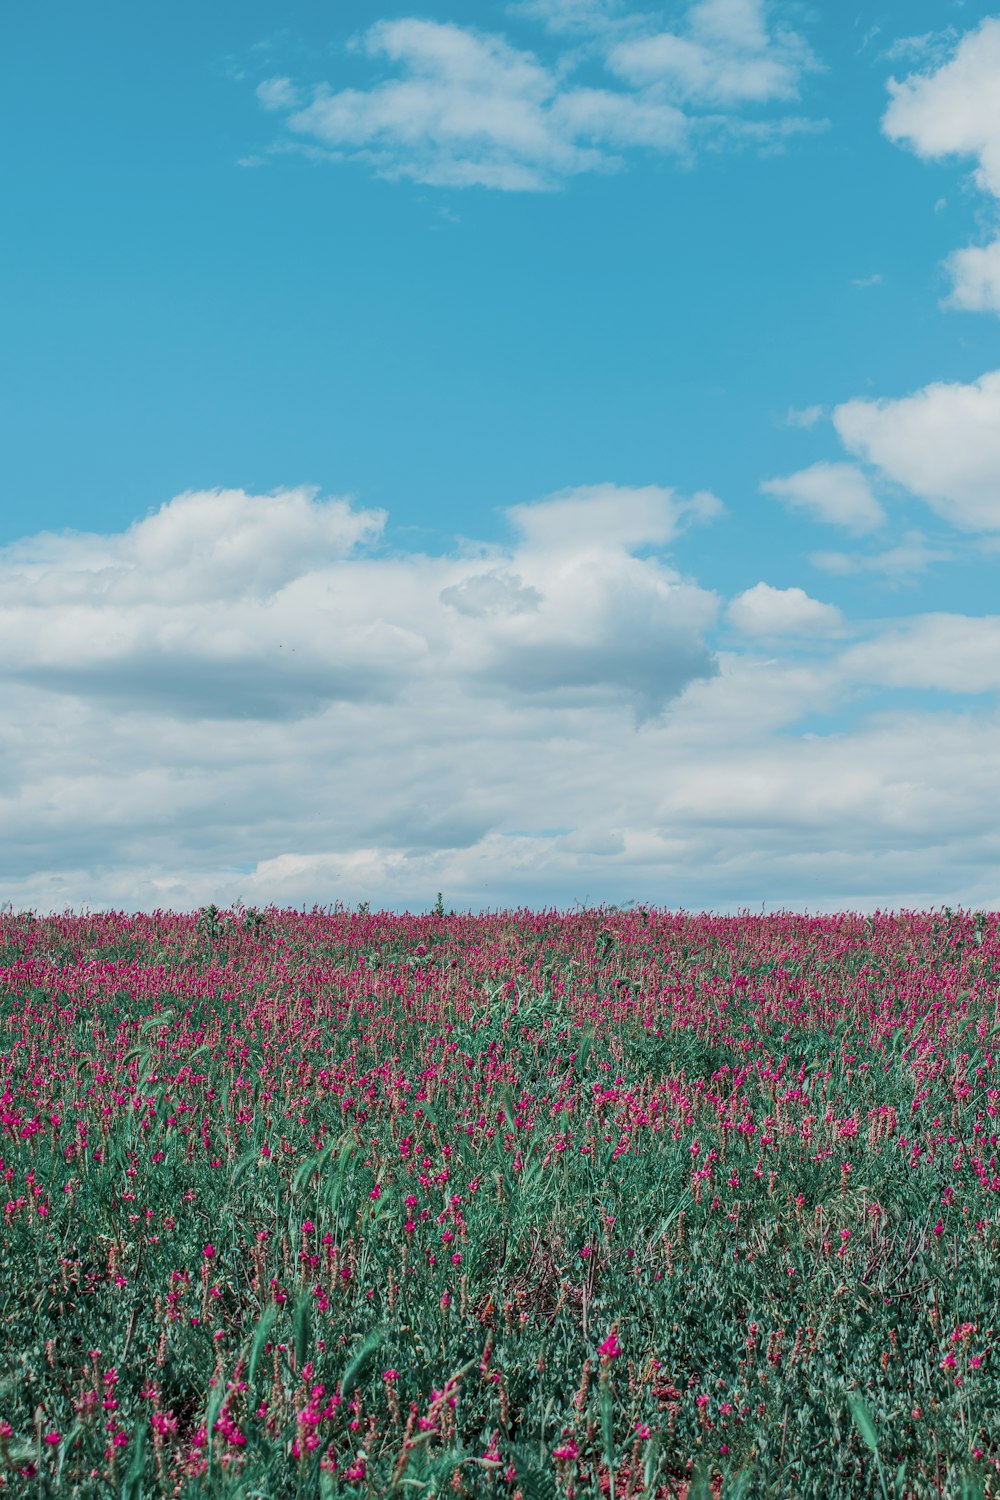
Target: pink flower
column 611, row 1348
column 208, row 1252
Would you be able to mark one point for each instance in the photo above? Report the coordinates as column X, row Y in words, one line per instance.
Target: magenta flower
column 611, row 1348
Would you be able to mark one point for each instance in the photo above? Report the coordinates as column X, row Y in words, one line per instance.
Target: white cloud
column 912, row 556
column 399, row 704
column 975, row 275
column 463, row 108
column 947, row 652
column 724, row 56
column 766, row 611
column 952, row 111
column 942, row 443
column 582, row 615
column 838, row 494
column 804, row 416
column 472, row 110
column 595, row 516
column 204, row 605
column 468, row 109
column 277, row 93
column 203, row 545
column 227, row 604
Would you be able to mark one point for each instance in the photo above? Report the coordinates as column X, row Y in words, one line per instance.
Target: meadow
column 614, row 1202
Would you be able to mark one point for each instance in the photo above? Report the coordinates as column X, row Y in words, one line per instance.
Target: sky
column 545, row 452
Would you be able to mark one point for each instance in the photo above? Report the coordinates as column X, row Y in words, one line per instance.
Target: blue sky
column 312, row 310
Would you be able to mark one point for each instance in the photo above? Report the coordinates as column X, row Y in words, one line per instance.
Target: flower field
column 631, row 1203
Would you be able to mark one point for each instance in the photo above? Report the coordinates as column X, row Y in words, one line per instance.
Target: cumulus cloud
column 838, row 494
column 942, row 443
column 606, row 625
column 583, row 616
column 463, row 107
column 724, row 56
column 605, row 514
column 195, row 606
column 224, row 604
column 951, row 111
column 200, row 546
column 766, row 611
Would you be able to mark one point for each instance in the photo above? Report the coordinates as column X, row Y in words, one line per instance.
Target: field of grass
column 623, row 1203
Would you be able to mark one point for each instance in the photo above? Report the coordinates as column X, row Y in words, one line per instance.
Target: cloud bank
column 252, row 697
